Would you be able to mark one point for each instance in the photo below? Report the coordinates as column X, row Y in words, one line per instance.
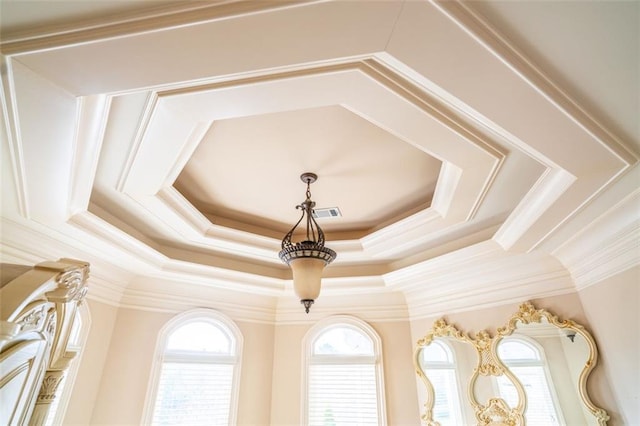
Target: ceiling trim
column 125, row 243
column 546, row 191
column 105, row 291
column 148, row 111
column 172, row 303
column 91, row 122
column 427, row 310
column 386, row 312
column 621, row 251
column 606, row 247
column 412, row 277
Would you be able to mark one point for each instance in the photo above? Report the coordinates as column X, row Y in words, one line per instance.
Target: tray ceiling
column 163, row 142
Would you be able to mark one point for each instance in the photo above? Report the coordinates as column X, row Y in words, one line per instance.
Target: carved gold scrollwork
column 488, row 364
column 50, row 386
column 427, row 417
column 498, row 413
column 33, row 319
column 442, row 329
column 71, row 285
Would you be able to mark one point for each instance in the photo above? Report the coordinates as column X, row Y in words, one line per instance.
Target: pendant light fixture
column 307, row 258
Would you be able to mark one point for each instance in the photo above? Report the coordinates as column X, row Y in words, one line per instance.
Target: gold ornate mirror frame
column 496, row 411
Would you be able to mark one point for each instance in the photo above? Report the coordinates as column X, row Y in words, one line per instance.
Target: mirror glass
column 446, row 362
column 548, row 361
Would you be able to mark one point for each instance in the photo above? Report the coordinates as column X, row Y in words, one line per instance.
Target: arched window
column 438, row 363
column 196, row 371
column 526, row 360
column 343, row 380
column 76, row 343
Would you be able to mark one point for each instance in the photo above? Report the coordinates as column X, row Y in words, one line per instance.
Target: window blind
column 193, row 394
column 445, row 407
column 540, row 407
column 342, row 394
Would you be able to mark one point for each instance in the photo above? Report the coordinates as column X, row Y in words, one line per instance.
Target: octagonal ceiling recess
column 245, row 171
column 179, row 131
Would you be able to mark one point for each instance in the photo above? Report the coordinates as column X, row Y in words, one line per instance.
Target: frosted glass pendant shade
column 307, row 272
column 307, row 258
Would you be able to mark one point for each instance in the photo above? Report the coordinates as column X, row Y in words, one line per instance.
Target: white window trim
column 307, row 353
column 70, row 379
column 159, row 357
column 541, row 362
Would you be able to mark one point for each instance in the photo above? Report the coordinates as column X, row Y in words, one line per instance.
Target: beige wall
column 86, row 387
column 612, row 309
column 254, row 406
column 399, row 374
column 126, row 372
column 287, row 370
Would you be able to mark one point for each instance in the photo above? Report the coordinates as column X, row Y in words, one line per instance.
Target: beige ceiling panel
column 322, row 32
column 120, row 138
column 484, row 82
column 42, row 145
column 161, row 146
column 580, row 53
column 357, row 164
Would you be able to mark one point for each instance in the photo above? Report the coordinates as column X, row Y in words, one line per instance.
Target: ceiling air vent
column 328, row 212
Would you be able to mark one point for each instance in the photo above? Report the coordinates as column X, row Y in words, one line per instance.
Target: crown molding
column 105, row 291
column 150, row 107
column 18, row 256
column 616, row 254
column 91, row 121
column 160, row 302
column 197, row 230
column 130, row 247
column 412, row 277
column 106, row 281
column 381, row 307
column 402, row 235
column 220, row 278
column 511, row 291
column 608, row 244
column 549, row 188
column 286, row 312
column 448, row 180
